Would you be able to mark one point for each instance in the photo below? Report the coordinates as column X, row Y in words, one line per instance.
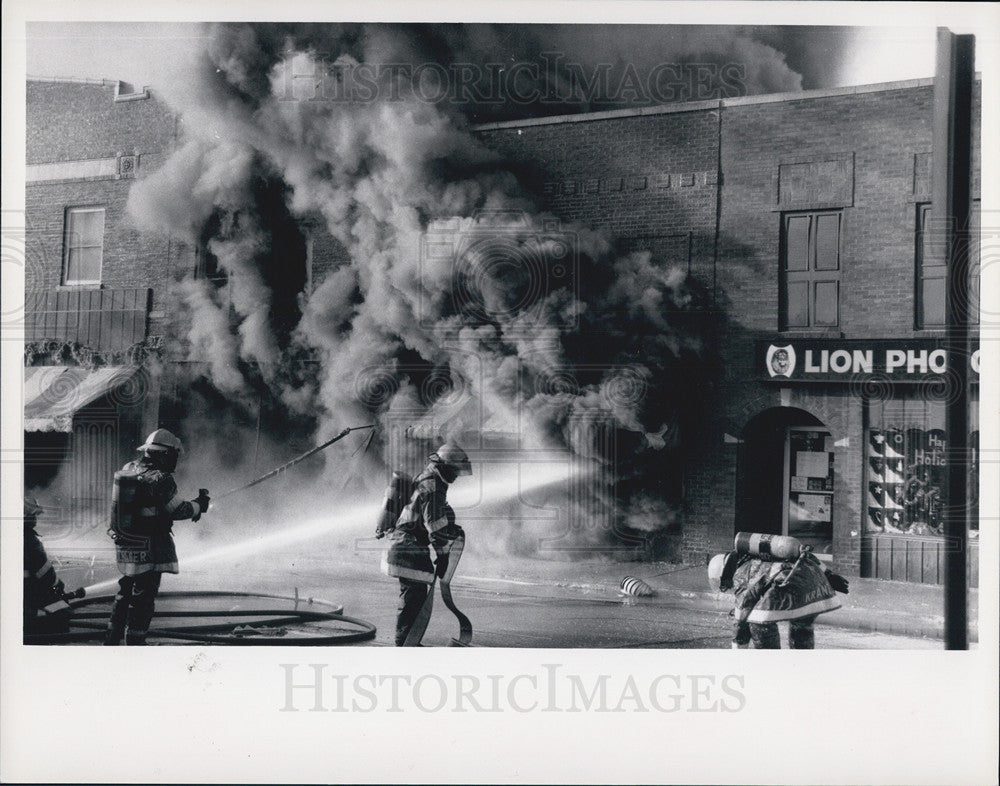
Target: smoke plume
column 447, row 301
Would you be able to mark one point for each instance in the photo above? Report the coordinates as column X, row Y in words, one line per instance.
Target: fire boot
column 113, row 636
column 135, row 638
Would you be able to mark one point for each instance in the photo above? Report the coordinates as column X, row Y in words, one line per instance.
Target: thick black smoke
column 455, row 303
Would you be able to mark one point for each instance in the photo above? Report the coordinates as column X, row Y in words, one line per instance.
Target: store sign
column 833, row 360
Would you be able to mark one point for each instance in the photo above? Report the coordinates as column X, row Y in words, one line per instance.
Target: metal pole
column 952, row 150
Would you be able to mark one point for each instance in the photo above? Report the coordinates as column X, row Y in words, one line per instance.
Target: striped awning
column 52, row 394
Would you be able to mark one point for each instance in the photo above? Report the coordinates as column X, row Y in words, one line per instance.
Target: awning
column 52, row 394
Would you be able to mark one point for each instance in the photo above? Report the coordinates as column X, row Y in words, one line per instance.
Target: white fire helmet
column 716, row 567
column 454, row 457
column 161, row 440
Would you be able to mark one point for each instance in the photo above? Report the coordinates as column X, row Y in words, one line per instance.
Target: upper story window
column 810, row 270
column 83, row 245
column 207, row 266
column 931, row 280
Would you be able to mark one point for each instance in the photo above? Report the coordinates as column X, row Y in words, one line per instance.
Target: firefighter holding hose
column 145, row 506
column 426, row 520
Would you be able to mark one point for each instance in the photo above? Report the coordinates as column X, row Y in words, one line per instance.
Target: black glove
column 441, row 565
column 838, row 582
column 202, row 502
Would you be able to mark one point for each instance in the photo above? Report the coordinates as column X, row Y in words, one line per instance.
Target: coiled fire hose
column 265, row 626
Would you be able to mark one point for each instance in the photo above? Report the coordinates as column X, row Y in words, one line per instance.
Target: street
column 505, row 612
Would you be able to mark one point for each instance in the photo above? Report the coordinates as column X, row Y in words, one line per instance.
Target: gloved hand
column 201, row 501
column 441, row 565
column 838, row 582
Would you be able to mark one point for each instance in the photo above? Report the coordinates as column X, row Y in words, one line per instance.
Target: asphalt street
column 504, row 613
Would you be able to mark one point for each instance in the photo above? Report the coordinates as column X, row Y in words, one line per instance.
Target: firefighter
column 146, row 505
column 41, row 586
column 427, row 520
column 769, row 591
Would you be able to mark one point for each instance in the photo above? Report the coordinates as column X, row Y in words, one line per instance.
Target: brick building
column 95, row 287
column 800, row 216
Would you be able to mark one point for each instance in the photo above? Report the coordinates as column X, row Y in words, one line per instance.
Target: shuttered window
column 810, row 270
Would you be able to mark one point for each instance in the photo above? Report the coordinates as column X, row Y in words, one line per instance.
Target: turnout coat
column 427, row 520
column 767, row 591
column 145, row 506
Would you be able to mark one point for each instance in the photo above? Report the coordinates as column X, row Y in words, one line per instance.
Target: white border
column 72, row 714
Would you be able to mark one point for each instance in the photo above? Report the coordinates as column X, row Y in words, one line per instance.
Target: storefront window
column 907, row 466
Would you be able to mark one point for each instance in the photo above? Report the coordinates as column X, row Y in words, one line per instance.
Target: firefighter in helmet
column 427, row 520
column 41, row 586
column 145, row 506
column 768, row 591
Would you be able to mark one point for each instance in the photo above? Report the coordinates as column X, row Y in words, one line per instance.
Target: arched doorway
column 785, row 478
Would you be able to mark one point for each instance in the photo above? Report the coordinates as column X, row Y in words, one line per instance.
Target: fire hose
column 294, row 461
column 416, row 632
column 264, row 627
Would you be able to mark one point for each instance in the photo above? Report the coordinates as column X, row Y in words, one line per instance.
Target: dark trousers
column 412, row 595
column 133, row 608
column 801, row 635
column 765, row 635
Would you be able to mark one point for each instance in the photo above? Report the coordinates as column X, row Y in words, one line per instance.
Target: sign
column 843, row 360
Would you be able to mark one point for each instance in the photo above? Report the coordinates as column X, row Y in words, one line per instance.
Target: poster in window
column 812, row 464
column 815, row 507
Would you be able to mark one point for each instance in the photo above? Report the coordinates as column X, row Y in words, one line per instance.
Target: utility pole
column 952, row 179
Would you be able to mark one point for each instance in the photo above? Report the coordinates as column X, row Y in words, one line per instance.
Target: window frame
column 812, row 276
column 924, row 212
column 68, row 246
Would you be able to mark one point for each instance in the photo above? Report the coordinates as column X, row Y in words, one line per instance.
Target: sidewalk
column 891, row 607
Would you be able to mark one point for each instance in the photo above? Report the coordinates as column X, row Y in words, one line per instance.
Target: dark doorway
column 760, row 484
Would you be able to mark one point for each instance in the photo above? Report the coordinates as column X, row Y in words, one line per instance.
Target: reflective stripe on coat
column 772, row 592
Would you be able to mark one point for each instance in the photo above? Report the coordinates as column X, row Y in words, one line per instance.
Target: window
column 931, row 269
column 907, row 466
column 83, row 245
column 810, row 270
column 206, row 265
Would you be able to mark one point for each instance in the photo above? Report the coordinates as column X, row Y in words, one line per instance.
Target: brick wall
column 72, row 121
column 131, row 258
column 652, row 178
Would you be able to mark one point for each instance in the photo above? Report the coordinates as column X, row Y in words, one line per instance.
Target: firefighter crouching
column 768, row 589
column 145, row 506
column 427, row 520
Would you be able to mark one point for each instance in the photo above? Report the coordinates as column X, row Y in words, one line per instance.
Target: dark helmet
column 452, row 456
